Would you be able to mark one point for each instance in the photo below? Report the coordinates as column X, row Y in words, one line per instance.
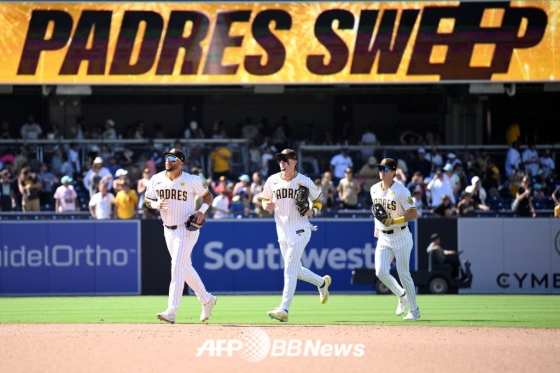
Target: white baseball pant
column 397, row 245
column 180, row 243
column 293, row 268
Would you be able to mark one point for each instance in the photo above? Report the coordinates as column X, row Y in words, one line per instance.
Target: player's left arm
column 201, row 189
column 404, row 199
column 315, row 196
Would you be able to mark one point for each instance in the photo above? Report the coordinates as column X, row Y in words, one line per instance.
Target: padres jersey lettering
column 180, row 193
column 282, row 193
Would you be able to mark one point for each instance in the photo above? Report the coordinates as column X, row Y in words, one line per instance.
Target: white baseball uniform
column 180, row 194
column 294, row 230
column 394, row 241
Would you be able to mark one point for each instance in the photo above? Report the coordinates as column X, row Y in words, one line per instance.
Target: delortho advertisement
column 512, row 256
column 69, row 258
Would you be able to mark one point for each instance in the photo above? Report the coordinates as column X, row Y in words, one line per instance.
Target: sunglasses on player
column 283, row 159
column 383, row 169
column 171, row 158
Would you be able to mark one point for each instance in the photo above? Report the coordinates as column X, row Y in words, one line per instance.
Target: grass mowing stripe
column 535, row 311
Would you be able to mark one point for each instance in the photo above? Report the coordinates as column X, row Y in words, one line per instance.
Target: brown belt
column 172, row 227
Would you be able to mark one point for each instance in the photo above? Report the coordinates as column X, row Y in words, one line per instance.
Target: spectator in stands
column 467, row 206
column 370, row 140
column 441, row 256
column 66, row 198
column 538, row 193
column 439, row 187
column 244, row 183
column 5, row 133
column 482, row 161
column 531, row 160
column 109, row 133
column 95, row 174
column 126, row 201
column 369, row 174
column 349, row 190
column 29, row 186
column 112, row 165
column 139, row 133
column 445, row 208
column 557, row 211
column 328, row 190
column 31, row 130
column 48, row 182
column 421, row 164
column 473, row 168
column 220, row 205
column 547, row 164
column 513, row 158
column 417, row 183
column 478, row 193
column 454, row 180
column 417, row 199
column 339, row 164
column 154, row 154
column 410, row 137
column 194, row 132
column 7, row 193
column 523, row 197
column 21, row 159
column 492, row 180
column 249, row 130
column 218, row 131
column 513, row 133
column 105, row 153
column 452, row 159
column 279, row 137
column 56, row 160
column 219, row 164
column 120, row 176
column 74, row 157
column 240, row 203
column 256, row 186
column 435, row 159
column 515, row 178
column 142, row 186
column 101, row 205
column 254, row 156
column 556, row 195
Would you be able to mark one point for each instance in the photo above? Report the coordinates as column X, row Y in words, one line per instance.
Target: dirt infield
column 173, row 348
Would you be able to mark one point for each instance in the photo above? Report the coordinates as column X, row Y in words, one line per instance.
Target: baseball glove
column 192, row 225
column 381, row 214
column 302, row 199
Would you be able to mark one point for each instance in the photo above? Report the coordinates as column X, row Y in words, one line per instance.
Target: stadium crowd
column 111, row 181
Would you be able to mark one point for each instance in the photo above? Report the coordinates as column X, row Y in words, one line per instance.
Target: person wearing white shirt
column 65, row 196
column 547, row 163
column 438, row 187
column 435, row 158
column 530, row 158
column 368, row 138
column 30, row 130
column 339, row 164
column 513, row 159
column 220, row 205
column 103, row 172
column 101, row 204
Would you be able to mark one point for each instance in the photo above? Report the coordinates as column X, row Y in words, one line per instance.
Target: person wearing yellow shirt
column 219, row 162
column 126, row 201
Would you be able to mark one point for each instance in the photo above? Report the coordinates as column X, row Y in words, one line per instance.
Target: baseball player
column 293, row 229
column 394, row 240
column 172, row 192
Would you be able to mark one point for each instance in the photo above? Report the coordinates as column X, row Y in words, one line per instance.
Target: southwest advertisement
column 244, row 257
column 279, row 43
column 64, row 258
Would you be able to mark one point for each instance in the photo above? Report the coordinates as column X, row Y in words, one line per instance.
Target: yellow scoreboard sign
column 283, row 43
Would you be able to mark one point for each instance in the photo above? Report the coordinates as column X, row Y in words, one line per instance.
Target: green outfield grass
column 525, row 311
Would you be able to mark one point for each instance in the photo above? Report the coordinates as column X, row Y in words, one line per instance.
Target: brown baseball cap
column 288, row 153
column 177, row 153
column 389, row 162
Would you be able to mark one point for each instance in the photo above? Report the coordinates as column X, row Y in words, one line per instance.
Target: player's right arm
column 266, row 196
column 151, row 200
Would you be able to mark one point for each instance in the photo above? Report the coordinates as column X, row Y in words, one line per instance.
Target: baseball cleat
column 324, row 291
column 279, row 314
column 207, row 308
column 412, row 315
column 167, row 317
column 401, row 307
